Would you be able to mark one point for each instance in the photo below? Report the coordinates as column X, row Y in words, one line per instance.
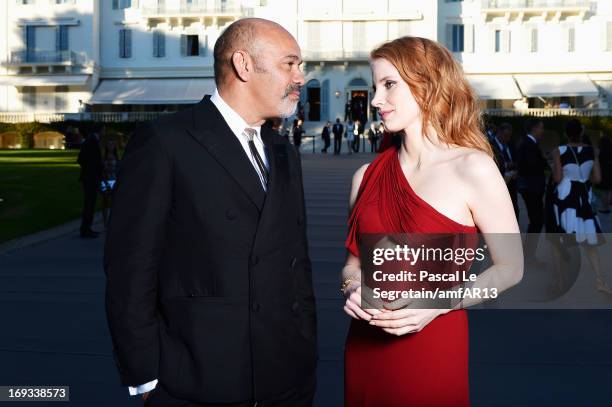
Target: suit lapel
column 212, row 132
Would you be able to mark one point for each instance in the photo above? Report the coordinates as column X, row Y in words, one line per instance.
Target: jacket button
column 300, row 221
column 230, row 214
column 295, row 306
column 254, row 260
column 255, row 306
column 293, row 261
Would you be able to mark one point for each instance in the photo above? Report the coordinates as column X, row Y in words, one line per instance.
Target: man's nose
column 299, row 78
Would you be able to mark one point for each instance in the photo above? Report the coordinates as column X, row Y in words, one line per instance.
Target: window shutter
column 58, row 38
column 121, row 43
column 571, row 39
column 183, row 45
column 162, row 43
column 63, row 38
column 325, row 100
column 203, row 43
column 608, row 36
column 534, row 40
column 128, row 43
column 469, row 38
column 505, row 38
column 449, row 36
column 155, row 44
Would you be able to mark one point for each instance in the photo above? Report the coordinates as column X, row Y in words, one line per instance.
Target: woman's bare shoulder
column 474, row 166
column 358, row 175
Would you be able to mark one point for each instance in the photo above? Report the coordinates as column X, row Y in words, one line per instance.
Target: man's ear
column 242, row 65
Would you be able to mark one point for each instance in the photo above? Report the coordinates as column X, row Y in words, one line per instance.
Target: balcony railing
column 534, row 4
column 336, row 55
column 194, row 9
column 108, row 117
column 43, row 57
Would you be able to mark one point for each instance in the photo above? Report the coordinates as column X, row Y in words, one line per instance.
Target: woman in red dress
column 441, row 179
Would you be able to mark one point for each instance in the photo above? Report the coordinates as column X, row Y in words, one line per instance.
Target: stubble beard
column 287, row 107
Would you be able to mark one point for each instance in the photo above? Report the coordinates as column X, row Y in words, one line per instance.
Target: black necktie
column 263, row 171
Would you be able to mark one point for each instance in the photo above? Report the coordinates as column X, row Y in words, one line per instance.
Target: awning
column 494, row 86
column 550, row 85
column 44, row 80
column 152, row 91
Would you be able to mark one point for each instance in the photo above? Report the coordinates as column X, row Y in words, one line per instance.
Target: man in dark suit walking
column 338, row 130
column 531, row 182
column 505, row 154
column 209, row 292
column 90, row 160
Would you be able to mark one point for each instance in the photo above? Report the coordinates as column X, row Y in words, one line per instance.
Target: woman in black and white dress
column 574, row 166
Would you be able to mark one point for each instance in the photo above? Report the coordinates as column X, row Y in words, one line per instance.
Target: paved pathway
column 54, row 328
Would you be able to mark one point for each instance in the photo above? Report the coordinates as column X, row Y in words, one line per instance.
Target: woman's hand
column 353, row 304
column 405, row 321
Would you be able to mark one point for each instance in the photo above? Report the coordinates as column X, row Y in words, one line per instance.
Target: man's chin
column 287, row 111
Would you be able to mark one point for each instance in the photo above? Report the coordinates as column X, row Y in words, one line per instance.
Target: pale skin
column 461, row 183
column 265, row 87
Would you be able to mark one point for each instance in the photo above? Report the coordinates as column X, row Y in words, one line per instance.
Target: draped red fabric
column 397, row 208
column 425, row 368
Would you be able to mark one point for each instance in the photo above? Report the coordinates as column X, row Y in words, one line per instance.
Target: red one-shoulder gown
column 423, row 369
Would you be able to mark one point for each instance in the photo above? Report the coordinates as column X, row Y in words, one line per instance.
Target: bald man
column 209, row 291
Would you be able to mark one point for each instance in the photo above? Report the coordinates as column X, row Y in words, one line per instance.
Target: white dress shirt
column 237, row 124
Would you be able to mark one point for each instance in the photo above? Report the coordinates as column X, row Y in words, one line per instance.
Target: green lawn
column 39, row 189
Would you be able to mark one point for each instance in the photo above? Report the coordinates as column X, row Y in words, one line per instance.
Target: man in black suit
column 338, row 130
column 505, row 154
column 531, row 182
column 90, row 160
column 209, row 292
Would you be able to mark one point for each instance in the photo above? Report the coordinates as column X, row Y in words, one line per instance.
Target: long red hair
column 439, row 86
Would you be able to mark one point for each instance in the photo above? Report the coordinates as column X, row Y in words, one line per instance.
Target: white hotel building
column 120, row 59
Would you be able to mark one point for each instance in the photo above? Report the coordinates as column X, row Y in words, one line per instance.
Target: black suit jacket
column 338, row 129
column 90, row 160
column 531, row 166
column 209, row 284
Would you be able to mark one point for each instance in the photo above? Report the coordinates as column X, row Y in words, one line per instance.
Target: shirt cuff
column 143, row 388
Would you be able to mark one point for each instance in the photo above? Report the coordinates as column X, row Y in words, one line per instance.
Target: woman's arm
column 557, row 168
column 596, row 174
column 351, row 272
column 489, row 201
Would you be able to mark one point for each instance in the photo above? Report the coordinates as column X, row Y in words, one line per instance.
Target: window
column 497, row 40
column 159, row 44
column 571, row 39
column 190, row 45
column 61, row 104
column 456, row 37
column 25, row 2
column 64, row 1
column 534, row 40
column 61, row 38
column 30, row 42
column 125, row 43
column 29, row 98
column 121, row 4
